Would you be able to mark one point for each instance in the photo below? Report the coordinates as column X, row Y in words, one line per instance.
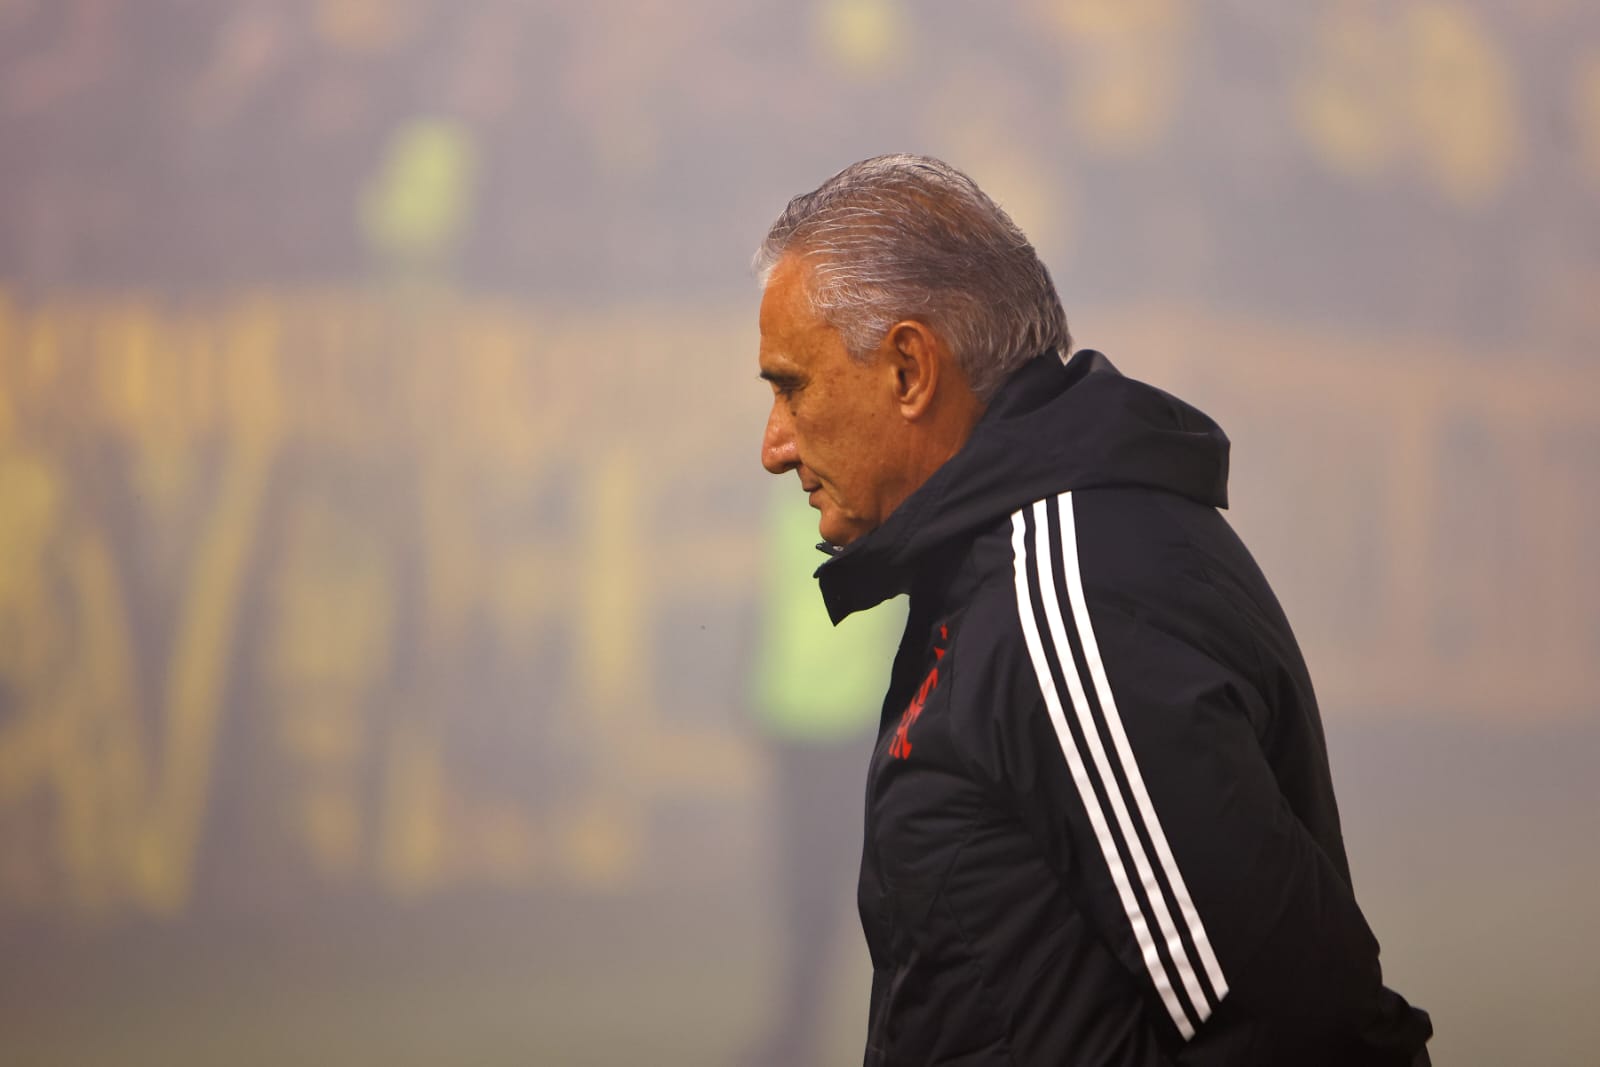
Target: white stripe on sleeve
column 1069, row 749
column 1130, row 769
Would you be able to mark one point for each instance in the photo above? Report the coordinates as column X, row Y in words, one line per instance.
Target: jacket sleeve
column 1134, row 754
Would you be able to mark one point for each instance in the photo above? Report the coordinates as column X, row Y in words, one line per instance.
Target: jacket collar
column 1052, row 427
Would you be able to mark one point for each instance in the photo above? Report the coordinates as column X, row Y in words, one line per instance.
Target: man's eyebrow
column 778, row 377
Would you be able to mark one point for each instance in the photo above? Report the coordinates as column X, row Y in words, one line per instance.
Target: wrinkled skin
column 862, row 436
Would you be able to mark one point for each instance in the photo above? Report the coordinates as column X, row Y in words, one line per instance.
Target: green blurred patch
column 419, row 202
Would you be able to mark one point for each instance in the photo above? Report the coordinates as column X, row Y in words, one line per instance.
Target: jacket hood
column 1052, row 428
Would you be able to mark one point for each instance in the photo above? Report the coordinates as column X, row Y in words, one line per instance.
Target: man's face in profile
column 833, row 420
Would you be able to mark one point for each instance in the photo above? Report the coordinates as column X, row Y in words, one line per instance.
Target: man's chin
column 838, row 533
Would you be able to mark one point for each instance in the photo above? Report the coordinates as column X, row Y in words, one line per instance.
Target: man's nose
column 778, row 451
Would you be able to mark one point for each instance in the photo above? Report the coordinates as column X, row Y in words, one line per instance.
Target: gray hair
column 910, row 237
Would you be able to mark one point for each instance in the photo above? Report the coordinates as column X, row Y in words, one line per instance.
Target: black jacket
column 1100, row 826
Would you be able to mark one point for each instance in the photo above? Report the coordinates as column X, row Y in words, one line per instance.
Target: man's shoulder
column 1143, row 554
column 1114, row 535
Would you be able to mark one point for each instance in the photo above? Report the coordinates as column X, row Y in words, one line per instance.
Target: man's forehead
column 786, row 294
column 791, row 328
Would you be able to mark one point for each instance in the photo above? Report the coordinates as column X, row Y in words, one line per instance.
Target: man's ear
column 916, row 356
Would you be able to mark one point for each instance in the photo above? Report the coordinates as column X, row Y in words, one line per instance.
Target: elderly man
column 1100, row 826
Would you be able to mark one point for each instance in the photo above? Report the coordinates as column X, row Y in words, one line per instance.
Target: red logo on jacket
column 900, row 747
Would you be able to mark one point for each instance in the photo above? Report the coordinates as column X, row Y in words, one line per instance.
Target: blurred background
column 383, row 542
